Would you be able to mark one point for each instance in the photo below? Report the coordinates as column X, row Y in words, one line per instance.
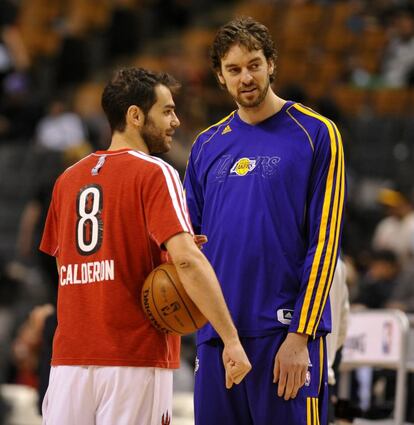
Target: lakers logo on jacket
column 243, row 166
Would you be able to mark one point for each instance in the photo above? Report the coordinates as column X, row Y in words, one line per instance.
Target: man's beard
column 154, row 137
column 255, row 102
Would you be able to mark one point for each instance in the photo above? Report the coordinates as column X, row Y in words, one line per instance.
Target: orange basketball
column 167, row 304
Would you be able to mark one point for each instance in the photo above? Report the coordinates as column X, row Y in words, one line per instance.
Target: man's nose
column 175, row 122
column 246, row 77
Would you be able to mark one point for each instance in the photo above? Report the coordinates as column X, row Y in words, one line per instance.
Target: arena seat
column 392, row 102
column 351, row 101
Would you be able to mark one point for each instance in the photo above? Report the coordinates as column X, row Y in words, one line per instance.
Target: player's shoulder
column 81, row 162
column 310, row 119
column 215, row 129
column 74, row 168
column 150, row 162
column 66, row 177
column 320, row 130
column 150, row 168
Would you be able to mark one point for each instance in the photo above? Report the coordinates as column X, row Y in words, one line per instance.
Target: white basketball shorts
column 108, row 395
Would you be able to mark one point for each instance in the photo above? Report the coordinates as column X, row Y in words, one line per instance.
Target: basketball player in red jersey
column 111, row 216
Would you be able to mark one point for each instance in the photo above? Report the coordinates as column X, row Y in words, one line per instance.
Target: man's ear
column 135, row 116
column 220, row 78
column 271, row 66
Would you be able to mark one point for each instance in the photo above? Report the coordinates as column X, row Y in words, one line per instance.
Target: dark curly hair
column 132, row 86
column 246, row 32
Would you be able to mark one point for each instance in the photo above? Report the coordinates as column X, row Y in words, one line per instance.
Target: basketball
column 167, row 304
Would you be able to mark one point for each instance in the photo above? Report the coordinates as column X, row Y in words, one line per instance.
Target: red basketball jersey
column 109, row 216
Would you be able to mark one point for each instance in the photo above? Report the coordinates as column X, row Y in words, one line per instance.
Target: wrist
column 231, row 339
column 300, row 337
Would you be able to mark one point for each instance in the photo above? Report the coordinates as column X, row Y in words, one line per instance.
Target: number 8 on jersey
column 89, row 226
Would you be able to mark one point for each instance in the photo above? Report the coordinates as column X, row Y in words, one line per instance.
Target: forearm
column 202, row 286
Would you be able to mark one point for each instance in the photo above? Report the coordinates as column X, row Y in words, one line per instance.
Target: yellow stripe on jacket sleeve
column 313, row 411
column 338, row 225
column 324, row 218
column 331, row 249
column 308, row 411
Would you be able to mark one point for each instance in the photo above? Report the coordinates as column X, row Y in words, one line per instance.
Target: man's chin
column 253, row 103
column 252, row 99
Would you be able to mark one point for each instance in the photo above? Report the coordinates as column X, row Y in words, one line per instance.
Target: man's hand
column 291, row 365
column 236, row 363
column 200, row 240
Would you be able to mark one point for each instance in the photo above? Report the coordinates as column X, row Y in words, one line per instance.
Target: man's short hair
column 132, row 86
column 248, row 33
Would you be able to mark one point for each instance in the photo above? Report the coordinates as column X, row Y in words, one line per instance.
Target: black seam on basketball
column 188, row 311
column 152, row 318
column 155, row 305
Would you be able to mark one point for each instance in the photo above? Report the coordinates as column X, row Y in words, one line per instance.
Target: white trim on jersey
column 172, row 182
column 184, row 202
column 179, row 191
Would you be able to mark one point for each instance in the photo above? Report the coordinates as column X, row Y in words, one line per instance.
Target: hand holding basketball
column 200, row 240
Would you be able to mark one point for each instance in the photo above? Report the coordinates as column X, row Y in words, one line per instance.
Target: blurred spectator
column 396, row 231
column 355, row 71
column 26, row 346
column 374, row 291
column 352, row 278
column 10, row 285
column 7, row 18
column 172, row 14
column 87, row 104
column 13, row 53
column 4, row 411
column 60, row 129
column 34, row 215
column 122, row 32
column 45, row 356
column 398, row 62
column 20, row 110
column 403, row 295
column 14, row 62
column 380, row 280
column 72, row 61
column 31, row 227
column 334, row 341
column 10, row 291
